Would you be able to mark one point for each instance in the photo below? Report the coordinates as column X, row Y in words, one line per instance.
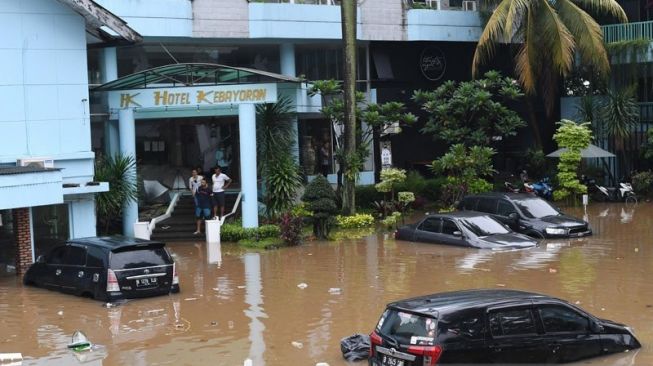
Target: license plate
column 391, row 361
column 146, row 282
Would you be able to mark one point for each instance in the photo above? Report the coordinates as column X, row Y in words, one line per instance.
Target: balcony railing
column 627, row 32
column 466, row 5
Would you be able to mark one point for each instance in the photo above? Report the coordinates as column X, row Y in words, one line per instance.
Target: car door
column 449, row 231
column 463, row 337
column 487, row 205
column 429, row 230
column 567, row 333
column 51, row 276
column 73, row 269
column 513, row 336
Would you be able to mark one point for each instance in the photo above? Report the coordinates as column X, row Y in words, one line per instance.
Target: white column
column 288, row 68
column 247, row 127
column 128, row 148
column 109, row 72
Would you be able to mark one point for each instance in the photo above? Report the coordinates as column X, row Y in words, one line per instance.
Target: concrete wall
column 443, row 25
column 382, row 20
column 157, row 18
column 220, row 19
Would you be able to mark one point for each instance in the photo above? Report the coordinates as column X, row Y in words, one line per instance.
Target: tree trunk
column 348, row 14
column 532, row 123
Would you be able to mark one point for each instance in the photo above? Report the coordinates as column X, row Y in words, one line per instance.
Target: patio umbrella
column 589, row 152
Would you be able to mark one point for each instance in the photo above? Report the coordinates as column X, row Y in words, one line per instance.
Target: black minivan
column 526, row 214
column 106, row 268
column 491, row 327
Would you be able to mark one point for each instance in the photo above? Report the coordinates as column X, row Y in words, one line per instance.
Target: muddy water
column 236, row 305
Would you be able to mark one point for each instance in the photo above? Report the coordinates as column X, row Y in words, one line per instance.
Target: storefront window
column 142, row 57
column 316, row 147
column 323, row 62
column 7, row 242
column 51, row 226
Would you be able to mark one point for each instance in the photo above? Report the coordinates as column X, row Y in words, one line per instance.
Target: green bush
column 366, row 195
column 234, row 232
column 433, row 189
column 414, row 183
column 321, row 200
column 643, row 182
column 391, row 221
column 263, row 243
column 355, row 221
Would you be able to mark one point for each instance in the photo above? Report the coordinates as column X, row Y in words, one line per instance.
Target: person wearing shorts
column 220, row 182
column 204, row 203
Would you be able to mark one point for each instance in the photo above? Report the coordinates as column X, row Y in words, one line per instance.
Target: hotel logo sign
column 432, row 63
column 194, row 97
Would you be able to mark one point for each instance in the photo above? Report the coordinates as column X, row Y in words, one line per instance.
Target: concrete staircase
column 181, row 224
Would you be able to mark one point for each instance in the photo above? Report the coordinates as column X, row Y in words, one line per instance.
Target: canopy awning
column 102, row 23
column 589, row 152
column 193, row 74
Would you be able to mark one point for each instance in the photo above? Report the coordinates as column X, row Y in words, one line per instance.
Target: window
column 470, row 327
column 51, row 227
column 512, row 322
column 139, row 258
column 483, row 225
column 559, row 319
column 488, row 205
column 431, row 225
column 57, row 255
column 449, row 227
column 407, row 328
column 76, row 256
column 470, row 204
column 94, row 258
column 505, row 208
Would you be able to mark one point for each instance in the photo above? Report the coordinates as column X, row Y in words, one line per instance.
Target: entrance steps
column 181, row 224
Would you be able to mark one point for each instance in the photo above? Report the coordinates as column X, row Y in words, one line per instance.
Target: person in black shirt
column 204, row 203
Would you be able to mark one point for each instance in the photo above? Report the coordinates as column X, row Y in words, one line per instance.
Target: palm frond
column 528, row 60
column 555, row 38
column 492, row 33
column 604, row 7
column 587, row 33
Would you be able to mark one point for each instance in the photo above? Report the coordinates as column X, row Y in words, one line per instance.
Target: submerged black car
column 468, row 229
column 106, row 268
column 527, row 214
column 492, row 326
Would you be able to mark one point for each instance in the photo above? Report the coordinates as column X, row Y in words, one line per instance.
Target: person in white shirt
column 194, row 182
column 220, row 182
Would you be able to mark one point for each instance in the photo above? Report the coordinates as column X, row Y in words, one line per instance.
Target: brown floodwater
column 236, row 305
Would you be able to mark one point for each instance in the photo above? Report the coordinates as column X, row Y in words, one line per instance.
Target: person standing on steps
column 194, row 183
column 204, row 203
column 220, row 182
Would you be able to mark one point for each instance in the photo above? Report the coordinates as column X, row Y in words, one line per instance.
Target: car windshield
column 536, row 208
column 483, row 226
column 139, row 258
column 406, row 328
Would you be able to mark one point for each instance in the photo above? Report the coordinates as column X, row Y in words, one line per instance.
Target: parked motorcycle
column 511, row 188
column 543, row 189
column 624, row 193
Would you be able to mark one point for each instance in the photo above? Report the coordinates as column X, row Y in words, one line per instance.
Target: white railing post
column 212, row 230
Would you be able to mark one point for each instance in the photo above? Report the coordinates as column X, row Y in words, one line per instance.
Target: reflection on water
column 236, row 305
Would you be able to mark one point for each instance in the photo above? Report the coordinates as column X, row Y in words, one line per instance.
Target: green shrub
column 366, row 195
column 291, row 228
column 320, row 199
column 643, row 182
column 234, row 232
column 391, row 221
column 355, row 221
column 414, row 183
column 433, row 189
column 263, row 243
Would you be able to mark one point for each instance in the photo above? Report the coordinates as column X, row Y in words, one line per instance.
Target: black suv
column 106, row 268
column 526, row 214
column 491, row 326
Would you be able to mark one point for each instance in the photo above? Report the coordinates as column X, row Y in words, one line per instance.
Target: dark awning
column 97, row 17
column 193, row 74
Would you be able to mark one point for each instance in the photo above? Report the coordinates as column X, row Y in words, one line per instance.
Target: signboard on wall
column 193, row 97
column 432, row 63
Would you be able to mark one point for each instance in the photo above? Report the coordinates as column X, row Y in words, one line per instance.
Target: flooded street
column 236, row 304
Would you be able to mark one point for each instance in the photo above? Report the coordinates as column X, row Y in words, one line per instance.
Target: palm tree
column 348, row 15
column 619, row 114
column 118, row 172
column 549, row 33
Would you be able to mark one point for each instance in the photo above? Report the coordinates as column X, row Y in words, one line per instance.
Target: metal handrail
column 233, row 210
column 627, row 32
column 169, row 211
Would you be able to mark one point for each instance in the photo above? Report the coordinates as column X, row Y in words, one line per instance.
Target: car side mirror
column 458, row 234
column 40, row 259
column 595, row 327
column 513, row 216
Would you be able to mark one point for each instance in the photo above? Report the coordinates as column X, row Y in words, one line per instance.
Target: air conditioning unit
column 36, row 162
column 434, row 4
column 469, row 5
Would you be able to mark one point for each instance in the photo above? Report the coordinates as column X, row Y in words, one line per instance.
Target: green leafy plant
column 118, row 171
column 390, row 178
column 574, row 137
column 355, row 221
column 235, row 232
column 279, row 171
column 291, row 228
column 473, row 112
column 391, row 221
column 465, row 169
column 321, row 201
column 643, row 182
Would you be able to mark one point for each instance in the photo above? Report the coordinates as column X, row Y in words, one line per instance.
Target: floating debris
column 302, row 285
column 296, row 344
column 335, row 291
column 80, row 342
column 11, row 357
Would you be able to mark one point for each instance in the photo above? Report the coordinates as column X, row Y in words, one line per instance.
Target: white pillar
column 288, row 68
column 247, row 127
column 109, row 72
column 128, row 148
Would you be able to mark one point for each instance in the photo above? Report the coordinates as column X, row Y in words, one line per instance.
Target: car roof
column 115, row 242
column 506, row 195
column 459, row 214
column 444, row 303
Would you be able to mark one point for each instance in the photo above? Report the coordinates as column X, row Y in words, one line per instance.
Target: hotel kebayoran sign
column 193, row 96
